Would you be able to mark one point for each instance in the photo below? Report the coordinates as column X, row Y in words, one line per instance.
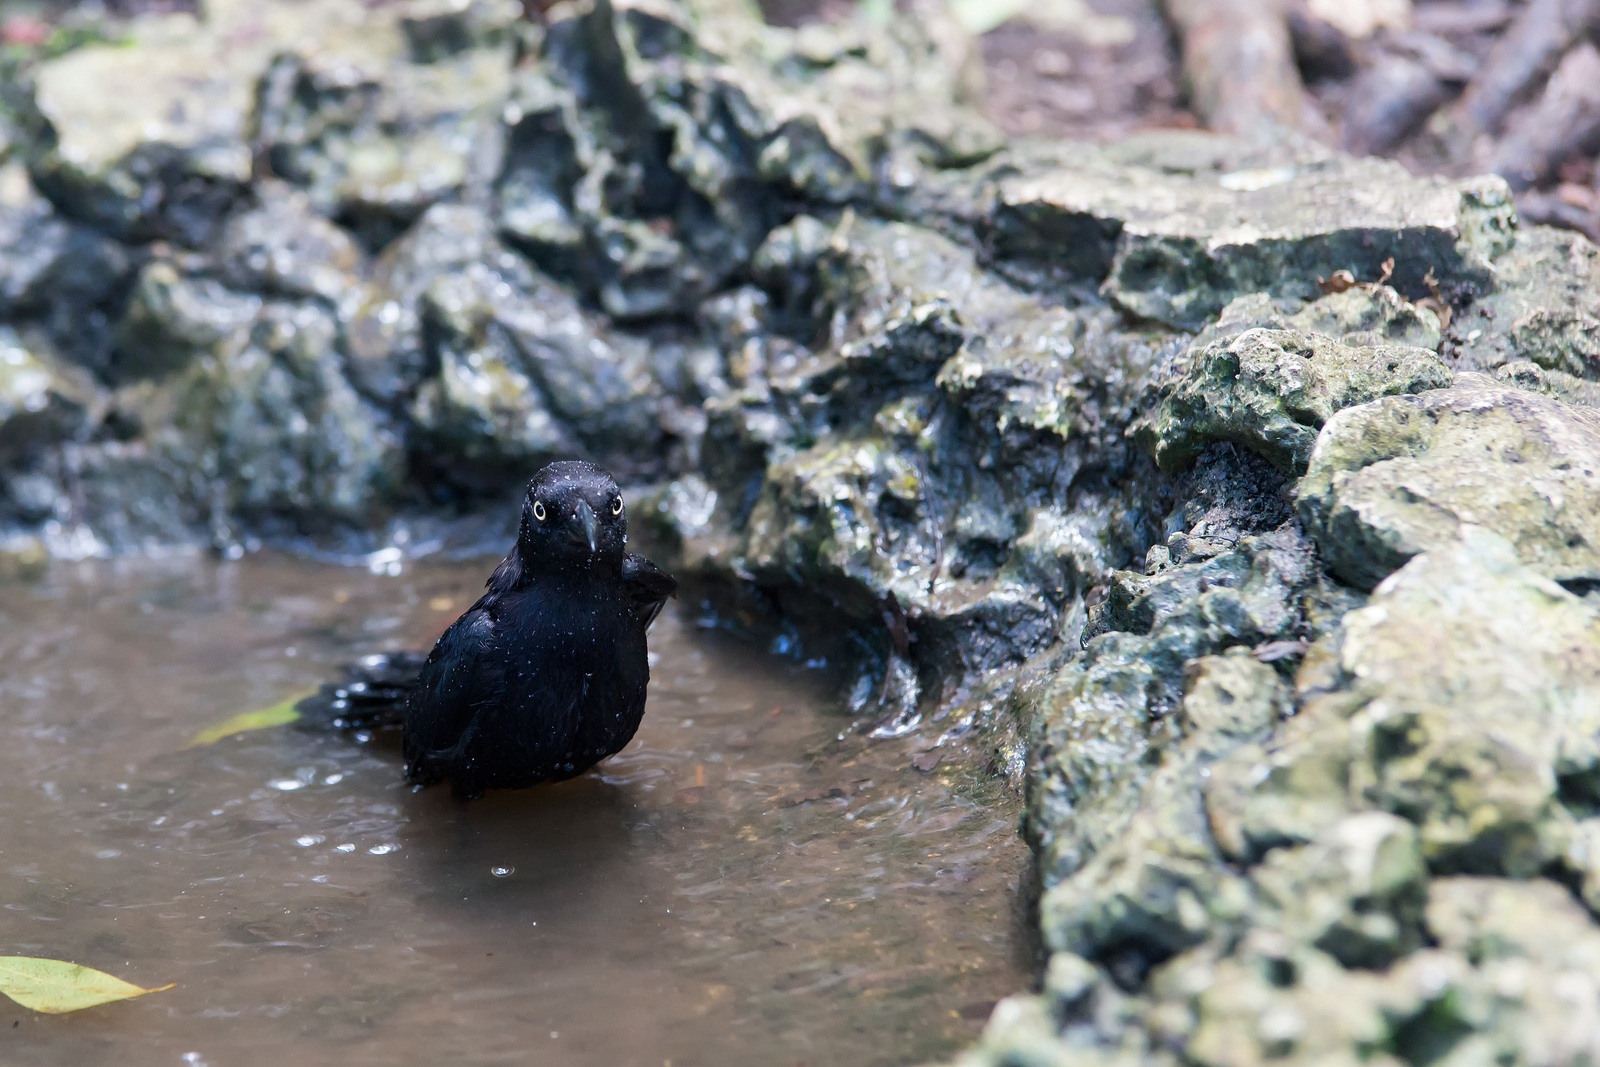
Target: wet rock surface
column 1272, row 390
column 1237, row 500
column 1399, row 476
column 1176, row 247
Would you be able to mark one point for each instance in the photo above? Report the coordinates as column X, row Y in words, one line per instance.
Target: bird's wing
column 458, row 679
column 648, row 587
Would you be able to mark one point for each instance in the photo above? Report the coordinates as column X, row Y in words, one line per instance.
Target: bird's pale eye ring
column 616, row 506
column 538, row 510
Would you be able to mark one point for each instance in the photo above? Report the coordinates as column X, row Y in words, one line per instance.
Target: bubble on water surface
column 502, row 872
column 383, row 850
column 309, row 839
column 347, row 847
column 288, row 785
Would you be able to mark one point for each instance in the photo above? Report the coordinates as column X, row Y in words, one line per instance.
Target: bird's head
column 573, row 512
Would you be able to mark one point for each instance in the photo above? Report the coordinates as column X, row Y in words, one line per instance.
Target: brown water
column 739, row 886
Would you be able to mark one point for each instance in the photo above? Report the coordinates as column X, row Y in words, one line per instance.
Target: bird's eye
column 616, row 506
column 538, row 510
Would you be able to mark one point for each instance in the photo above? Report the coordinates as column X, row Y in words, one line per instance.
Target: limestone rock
column 1582, row 859
column 175, row 317
column 525, row 377
column 282, row 247
column 155, row 138
column 1450, row 645
column 1567, row 341
column 1403, row 474
column 1271, row 390
column 923, row 451
column 1313, row 942
column 1288, row 792
column 274, row 419
column 1024, row 1031
column 658, row 142
column 1273, row 999
column 1526, row 374
column 1233, row 696
column 1100, row 721
column 259, row 403
column 42, row 401
column 149, row 140
column 1465, row 705
column 1543, row 307
column 64, row 276
column 387, row 357
column 1088, row 753
column 1357, row 893
column 1177, row 248
column 380, row 120
column 1155, row 889
column 1361, row 316
column 1535, row 977
column 136, row 497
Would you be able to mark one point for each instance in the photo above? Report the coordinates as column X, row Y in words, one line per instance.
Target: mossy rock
column 1271, row 391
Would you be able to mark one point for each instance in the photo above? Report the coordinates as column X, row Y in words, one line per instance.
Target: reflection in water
column 738, row 885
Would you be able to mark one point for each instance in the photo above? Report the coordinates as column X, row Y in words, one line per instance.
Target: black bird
column 545, row 675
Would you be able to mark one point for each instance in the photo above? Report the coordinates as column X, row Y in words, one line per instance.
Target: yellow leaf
column 54, row 986
column 277, row 715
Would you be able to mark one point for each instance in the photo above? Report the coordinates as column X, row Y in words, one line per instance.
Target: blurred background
column 1444, row 86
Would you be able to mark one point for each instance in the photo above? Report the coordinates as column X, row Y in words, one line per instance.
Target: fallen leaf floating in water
column 277, row 715
column 55, row 986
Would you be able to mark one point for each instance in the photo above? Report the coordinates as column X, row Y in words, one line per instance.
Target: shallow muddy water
column 739, row 886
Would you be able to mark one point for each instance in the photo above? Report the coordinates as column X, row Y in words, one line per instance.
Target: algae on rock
column 656, row 147
column 205, row 169
column 1271, row 391
column 1402, row 475
column 1178, row 247
column 926, row 457
column 1546, row 297
column 264, row 415
column 42, row 402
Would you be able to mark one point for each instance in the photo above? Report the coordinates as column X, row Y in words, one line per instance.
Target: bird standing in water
column 545, row 675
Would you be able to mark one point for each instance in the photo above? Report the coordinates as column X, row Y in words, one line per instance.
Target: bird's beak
column 585, row 527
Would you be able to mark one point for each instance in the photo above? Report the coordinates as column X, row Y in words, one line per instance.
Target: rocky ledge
column 1240, row 501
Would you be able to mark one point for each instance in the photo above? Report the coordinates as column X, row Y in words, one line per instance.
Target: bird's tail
column 371, row 692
